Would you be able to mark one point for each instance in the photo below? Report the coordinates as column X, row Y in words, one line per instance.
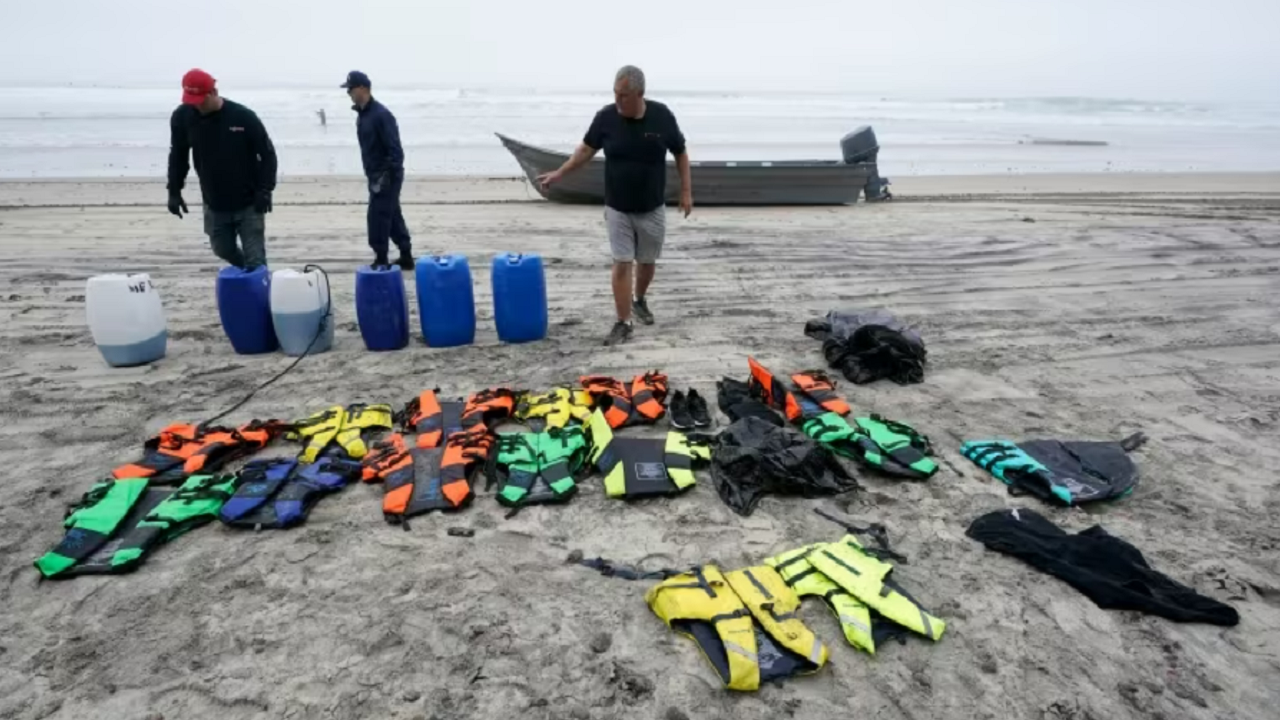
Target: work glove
column 177, row 205
column 262, row 203
column 379, row 182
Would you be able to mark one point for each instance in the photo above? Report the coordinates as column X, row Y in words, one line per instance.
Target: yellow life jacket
column 744, row 622
column 345, row 425
column 644, row 467
column 867, row 579
column 317, row 431
column 807, row 581
column 356, row 420
column 553, row 409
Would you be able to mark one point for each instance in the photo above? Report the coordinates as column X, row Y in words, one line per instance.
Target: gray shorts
column 636, row 236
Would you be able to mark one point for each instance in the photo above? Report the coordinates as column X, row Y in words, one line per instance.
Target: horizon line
column 689, row 90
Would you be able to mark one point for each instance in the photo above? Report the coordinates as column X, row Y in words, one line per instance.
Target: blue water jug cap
column 514, row 258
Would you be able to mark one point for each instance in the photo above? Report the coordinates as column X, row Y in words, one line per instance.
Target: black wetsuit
column 1110, row 571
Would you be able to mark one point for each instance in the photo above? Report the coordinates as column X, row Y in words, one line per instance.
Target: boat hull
column 790, row 182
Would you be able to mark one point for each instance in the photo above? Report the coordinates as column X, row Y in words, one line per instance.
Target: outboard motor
column 861, row 146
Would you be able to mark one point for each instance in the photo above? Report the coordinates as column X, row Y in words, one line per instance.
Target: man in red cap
column 236, row 164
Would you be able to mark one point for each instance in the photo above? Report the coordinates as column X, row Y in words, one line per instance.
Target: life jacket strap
column 609, row 568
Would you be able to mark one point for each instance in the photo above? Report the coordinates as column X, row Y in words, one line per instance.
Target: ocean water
column 123, row 132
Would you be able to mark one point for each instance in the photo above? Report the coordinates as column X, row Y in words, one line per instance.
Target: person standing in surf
column 236, row 164
column 636, row 134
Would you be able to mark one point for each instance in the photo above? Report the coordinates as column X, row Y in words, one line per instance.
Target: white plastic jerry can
column 301, row 311
column 126, row 319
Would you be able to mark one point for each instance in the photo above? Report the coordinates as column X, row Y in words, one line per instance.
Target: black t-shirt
column 635, row 155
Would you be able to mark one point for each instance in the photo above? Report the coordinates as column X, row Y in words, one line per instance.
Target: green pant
column 223, row 227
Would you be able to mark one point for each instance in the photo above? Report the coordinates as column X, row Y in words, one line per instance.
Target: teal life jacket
column 1064, row 473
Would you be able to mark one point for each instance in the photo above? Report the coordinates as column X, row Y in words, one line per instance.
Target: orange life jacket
column 641, row 402
column 648, row 395
column 420, row 480
column 487, row 408
column 611, row 397
column 454, row 439
column 821, row 389
column 181, row 450
column 431, row 419
column 461, row 457
column 772, row 391
column 385, row 458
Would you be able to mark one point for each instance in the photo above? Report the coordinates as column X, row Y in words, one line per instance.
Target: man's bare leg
column 644, row 276
column 622, row 289
column 640, row 307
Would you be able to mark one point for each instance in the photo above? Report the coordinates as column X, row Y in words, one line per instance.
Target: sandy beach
column 1069, row 306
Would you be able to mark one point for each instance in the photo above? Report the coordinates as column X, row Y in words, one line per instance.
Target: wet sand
column 1060, row 306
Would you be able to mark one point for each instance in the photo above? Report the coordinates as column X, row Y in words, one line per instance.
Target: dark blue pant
column 386, row 221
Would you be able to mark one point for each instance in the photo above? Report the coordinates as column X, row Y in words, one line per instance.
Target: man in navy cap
column 384, row 167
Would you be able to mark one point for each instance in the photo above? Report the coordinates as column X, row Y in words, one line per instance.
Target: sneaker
column 698, row 410
column 405, row 261
column 678, row 412
column 620, row 333
column 641, row 308
column 380, row 263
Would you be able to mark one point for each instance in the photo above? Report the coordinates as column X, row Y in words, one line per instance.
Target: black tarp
column 753, row 458
column 735, row 400
column 867, row 345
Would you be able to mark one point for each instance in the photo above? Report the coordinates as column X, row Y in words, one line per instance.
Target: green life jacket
column 885, row 445
column 92, row 522
column 173, row 513
column 645, row 467
column 536, row 468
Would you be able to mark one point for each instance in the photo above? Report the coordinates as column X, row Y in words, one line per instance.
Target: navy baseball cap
column 355, row 78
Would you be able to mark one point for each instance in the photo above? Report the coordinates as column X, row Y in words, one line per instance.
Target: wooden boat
column 787, row 182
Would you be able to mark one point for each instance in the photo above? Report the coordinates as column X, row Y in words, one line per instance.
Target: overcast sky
column 1149, row 49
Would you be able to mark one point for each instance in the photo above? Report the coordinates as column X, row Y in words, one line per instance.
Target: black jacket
column 234, row 158
column 379, row 136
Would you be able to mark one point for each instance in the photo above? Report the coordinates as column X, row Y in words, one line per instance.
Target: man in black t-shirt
column 636, row 134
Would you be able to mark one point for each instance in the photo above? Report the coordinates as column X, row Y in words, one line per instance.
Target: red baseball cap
column 196, row 84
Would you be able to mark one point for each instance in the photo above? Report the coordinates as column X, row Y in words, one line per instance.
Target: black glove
column 177, row 205
column 262, row 203
column 379, row 182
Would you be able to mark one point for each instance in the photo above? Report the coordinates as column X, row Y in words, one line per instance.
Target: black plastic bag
column 736, row 401
column 866, row 346
column 754, row 458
